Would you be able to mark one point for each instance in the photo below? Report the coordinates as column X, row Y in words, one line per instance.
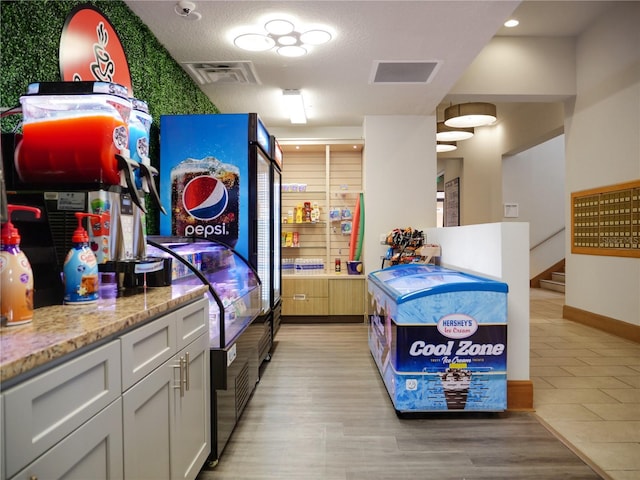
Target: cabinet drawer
column 309, row 287
column 146, row 348
column 191, row 322
column 43, row 410
column 94, row 451
column 305, row 306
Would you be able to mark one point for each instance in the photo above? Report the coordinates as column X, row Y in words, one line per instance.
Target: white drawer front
column 41, row 411
column 146, row 348
column 192, row 321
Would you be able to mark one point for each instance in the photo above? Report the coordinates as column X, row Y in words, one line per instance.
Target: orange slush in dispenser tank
column 72, row 132
column 16, row 301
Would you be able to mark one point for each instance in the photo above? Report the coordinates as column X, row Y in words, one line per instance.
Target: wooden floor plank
column 321, row 411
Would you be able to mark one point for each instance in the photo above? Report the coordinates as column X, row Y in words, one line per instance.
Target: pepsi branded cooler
column 439, row 338
column 215, row 172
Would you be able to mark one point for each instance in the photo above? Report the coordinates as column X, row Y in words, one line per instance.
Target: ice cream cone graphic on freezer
column 455, row 384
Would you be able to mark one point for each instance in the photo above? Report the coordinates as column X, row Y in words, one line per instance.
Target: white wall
column 603, row 148
column 316, row 134
column 399, row 177
column 534, row 181
column 499, row 251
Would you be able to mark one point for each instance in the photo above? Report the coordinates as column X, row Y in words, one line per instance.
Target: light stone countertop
column 58, row 330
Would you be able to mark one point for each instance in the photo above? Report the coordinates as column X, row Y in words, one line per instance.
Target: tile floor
column 586, row 388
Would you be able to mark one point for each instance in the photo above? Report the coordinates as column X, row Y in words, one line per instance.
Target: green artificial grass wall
column 30, row 33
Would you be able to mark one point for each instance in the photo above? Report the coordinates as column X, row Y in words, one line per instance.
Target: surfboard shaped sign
column 90, row 49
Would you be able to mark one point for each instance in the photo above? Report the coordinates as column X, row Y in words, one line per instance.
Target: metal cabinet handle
column 186, row 369
column 299, row 296
column 180, row 385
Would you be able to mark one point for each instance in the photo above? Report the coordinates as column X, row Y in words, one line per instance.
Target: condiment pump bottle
column 16, row 273
column 81, row 284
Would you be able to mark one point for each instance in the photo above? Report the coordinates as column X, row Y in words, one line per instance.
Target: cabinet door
column 41, row 411
column 346, row 297
column 191, row 440
column 93, row 451
column 146, row 412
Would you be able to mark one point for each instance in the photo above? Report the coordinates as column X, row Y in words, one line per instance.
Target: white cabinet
column 41, row 411
column 136, row 407
column 166, row 412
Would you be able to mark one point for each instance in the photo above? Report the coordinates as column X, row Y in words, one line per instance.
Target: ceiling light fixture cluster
column 460, row 121
column 282, row 35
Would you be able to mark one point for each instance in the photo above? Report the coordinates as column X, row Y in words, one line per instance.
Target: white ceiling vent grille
column 398, row 72
column 227, row 73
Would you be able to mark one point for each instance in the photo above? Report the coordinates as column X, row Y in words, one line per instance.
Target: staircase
column 555, row 283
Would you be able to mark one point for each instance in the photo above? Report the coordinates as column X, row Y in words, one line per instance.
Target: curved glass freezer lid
column 408, row 282
column 407, row 269
column 217, row 262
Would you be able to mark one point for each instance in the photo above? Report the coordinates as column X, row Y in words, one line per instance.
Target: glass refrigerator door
column 277, row 232
column 234, row 288
column 263, row 220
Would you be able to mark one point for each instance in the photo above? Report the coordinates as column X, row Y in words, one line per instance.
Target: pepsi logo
column 205, row 197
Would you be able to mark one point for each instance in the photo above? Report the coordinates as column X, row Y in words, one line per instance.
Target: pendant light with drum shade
column 442, row 147
column 452, row 134
column 467, row 115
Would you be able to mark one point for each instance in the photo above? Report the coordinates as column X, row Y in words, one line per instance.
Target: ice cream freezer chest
column 439, row 338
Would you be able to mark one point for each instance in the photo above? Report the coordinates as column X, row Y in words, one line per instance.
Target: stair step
column 552, row 285
column 557, row 277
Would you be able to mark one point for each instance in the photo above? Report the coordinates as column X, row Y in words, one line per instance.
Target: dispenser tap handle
column 126, row 169
column 147, row 172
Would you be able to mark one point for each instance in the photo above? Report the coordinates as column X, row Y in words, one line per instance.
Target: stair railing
column 548, row 238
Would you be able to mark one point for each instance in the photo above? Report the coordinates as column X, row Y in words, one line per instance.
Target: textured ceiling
column 336, row 78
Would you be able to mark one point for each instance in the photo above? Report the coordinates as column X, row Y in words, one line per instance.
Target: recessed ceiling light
column 511, row 23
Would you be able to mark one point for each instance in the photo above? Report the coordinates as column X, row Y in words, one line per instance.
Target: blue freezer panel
column 438, row 349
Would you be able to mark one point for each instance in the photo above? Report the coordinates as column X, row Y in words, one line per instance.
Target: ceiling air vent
column 395, row 72
column 227, row 73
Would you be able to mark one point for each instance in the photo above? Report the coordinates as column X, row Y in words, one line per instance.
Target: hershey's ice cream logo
column 464, row 347
column 457, row 325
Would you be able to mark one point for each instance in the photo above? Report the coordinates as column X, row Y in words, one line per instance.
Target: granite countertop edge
column 60, row 330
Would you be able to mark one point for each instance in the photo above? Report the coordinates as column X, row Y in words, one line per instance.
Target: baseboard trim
column 601, row 322
column 520, row 395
